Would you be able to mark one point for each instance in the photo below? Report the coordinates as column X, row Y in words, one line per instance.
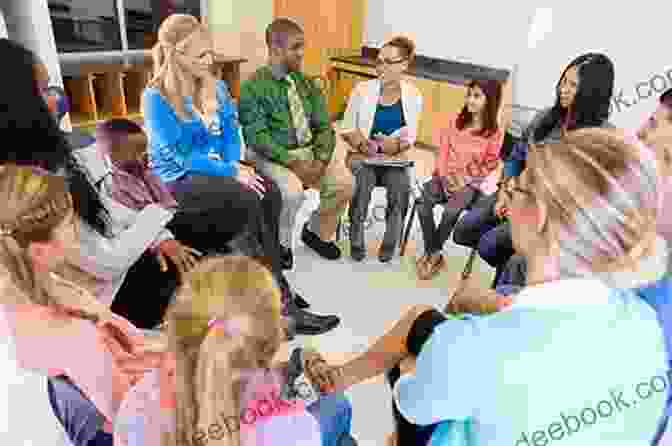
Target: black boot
column 305, row 323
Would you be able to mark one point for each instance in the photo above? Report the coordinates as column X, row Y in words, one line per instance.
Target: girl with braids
column 49, row 320
column 583, row 208
column 224, row 328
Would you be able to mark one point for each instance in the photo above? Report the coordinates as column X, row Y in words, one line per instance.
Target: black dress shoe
column 286, row 258
column 328, row 250
column 300, row 302
column 308, row 324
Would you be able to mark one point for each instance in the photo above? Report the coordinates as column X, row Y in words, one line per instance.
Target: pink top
column 148, row 411
column 464, row 154
column 47, row 343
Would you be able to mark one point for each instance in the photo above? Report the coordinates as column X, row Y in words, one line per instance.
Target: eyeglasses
column 380, row 62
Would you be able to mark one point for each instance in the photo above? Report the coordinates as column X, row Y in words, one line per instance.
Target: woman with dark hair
column 381, row 121
column 583, row 96
column 469, row 149
column 23, row 110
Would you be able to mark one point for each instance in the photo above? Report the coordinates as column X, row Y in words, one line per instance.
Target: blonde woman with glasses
column 570, row 357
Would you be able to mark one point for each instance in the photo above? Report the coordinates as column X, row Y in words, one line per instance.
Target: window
column 94, row 25
column 85, row 25
column 143, row 18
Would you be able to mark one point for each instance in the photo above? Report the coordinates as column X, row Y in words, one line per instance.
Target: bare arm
column 385, row 353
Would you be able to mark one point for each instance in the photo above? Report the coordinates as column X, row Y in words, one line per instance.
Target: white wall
column 633, row 34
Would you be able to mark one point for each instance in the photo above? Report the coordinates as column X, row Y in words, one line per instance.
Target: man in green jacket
column 289, row 134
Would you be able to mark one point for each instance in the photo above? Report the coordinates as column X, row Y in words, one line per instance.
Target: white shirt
column 26, row 415
column 110, row 259
column 361, row 110
column 563, row 347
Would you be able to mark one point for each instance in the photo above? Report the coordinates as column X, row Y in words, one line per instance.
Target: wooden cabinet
column 331, row 28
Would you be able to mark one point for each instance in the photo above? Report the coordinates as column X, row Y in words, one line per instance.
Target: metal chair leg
column 409, row 224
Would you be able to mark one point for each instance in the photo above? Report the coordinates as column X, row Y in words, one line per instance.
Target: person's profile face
column 293, row 52
column 523, row 214
column 569, row 86
column 390, row 64
column 200, row 51
column 475, row 100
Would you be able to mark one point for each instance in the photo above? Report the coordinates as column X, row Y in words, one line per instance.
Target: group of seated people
column 141, row 275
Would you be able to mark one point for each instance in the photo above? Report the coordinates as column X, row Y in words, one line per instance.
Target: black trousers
column 410, row 434
column 215, row 213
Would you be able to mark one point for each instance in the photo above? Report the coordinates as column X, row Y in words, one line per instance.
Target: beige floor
column 370, row 297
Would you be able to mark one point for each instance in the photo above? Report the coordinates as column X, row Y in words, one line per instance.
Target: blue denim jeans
column 78, row 415
column 334, row 413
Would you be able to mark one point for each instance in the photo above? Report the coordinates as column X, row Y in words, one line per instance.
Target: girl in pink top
column 215, row 384
column 468, row 151
column 58, row 328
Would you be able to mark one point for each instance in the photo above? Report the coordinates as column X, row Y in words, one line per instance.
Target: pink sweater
column 461, row 152
column 45, row 343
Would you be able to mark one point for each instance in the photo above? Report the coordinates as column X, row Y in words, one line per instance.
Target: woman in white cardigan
column 381, row 121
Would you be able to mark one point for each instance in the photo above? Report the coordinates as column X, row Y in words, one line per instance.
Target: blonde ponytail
column 210, row 359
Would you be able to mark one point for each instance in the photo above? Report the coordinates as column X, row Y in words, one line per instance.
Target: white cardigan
column 108, row 260
column 362, row 105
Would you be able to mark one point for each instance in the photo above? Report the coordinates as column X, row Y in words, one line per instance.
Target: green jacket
column 266, row 119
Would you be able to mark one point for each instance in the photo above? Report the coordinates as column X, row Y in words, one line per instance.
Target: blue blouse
column 178, row 148
column 388, row 119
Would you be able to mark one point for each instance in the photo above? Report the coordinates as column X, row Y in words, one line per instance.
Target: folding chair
column 341, row 228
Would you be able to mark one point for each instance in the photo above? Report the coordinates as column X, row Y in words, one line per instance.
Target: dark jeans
column 480, row 228
column 215, row 213
column 77, row 414
column 434, row 195
column 135, row 302
column 395, row 180
column 218, row 210
column 423, row 327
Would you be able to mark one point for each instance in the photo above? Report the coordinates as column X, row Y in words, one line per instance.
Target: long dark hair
column 32, row 136
column 593, row 98
column 493, row 96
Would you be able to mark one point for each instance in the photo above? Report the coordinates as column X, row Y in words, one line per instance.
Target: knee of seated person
column 418, row 310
